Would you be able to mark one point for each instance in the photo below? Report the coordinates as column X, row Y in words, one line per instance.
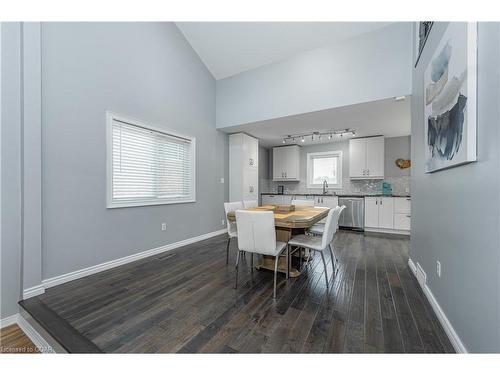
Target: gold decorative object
column 403, row 164
column 284, row 208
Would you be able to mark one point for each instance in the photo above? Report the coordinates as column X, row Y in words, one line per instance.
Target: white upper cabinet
column 367, row 158
column 357, row 157
column 286, row 163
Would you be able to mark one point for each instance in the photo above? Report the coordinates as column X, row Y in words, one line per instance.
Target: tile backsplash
column 400, row 185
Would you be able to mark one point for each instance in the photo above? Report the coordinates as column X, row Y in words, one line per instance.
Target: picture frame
column 423, row 30
column 450, row 99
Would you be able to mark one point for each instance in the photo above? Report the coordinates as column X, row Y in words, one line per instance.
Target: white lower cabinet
column 387, row 214
column 330, row 202
column 402, row 213
column 371, row 212
column 319, row 201
column 402, row 221
column 272, row 199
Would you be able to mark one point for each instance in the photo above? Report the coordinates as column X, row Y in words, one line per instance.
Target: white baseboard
column 29, row 331
column 5, row 322
column 33, row 291
column 443, row 319
column 57, row 280
column 34, row 336
column 412, row 266
column 388, row 231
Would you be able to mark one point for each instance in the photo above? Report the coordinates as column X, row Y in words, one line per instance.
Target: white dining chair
column 250, row 204
column 324, row 242
column 303, row 202
column 319, row 228
column 257, row 234
column 232, row 231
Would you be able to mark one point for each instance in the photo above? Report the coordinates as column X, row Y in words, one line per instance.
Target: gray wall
column 396, row 148
column 369, row 67
column 144, row 70
column 455, row 212
column 10, row 256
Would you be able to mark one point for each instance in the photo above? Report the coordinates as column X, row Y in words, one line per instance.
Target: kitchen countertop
column 343, row 195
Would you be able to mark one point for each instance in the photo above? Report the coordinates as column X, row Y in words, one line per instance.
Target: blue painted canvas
column 450, row 99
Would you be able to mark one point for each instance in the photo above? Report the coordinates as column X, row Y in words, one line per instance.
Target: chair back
column 230, row 207
column 256, row 232
column 303, row 202
column 250, row 204
column 332, row 221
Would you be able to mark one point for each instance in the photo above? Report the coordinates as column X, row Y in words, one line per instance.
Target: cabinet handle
column 381, row 201
column 376, row 201
column 367, row 172
column 408, row 215
column 408, row 199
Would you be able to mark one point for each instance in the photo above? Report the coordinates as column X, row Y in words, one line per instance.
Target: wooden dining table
column 287, row 224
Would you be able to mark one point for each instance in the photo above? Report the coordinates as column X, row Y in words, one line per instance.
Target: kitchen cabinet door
column 330, row 202
column 250, row 180
column 272, row 199
column 278, row 159
column 402, row 205
column 287, row 199
column 292, row 170
column 371, row 212
column 402, row 221
column 357, row 158
column 375, row 157
column 386, row 213
column 251, row 152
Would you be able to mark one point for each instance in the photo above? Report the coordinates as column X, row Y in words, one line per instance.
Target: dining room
column 248, row 188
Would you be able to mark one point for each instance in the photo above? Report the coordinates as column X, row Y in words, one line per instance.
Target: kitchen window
column 148, row 166
column 324, row 166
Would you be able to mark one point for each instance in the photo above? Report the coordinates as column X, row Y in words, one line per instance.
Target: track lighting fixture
column 319, row 135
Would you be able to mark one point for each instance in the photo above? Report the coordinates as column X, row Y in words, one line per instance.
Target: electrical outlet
column 438, row 268
column 222, row 180
column 407, row 190
column 163, row 226
column 223, row 222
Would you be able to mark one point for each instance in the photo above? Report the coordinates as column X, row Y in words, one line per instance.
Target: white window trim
column 311, row 155
column 110, row 117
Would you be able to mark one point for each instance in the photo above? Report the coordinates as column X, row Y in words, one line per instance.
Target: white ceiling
column 384, row 117
column 229, row 48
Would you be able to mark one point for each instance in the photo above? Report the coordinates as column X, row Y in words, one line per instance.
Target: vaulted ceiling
column 229, row 48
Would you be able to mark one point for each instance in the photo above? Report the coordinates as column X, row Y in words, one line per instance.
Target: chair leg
column 237, row 262
column 227, row 250
column 287, row 261
column 276, row 259
column 251, row 262
column 324, row 264
column 334, row 260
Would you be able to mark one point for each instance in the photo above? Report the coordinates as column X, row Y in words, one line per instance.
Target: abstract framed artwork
column 450, row 99
column 423, row 29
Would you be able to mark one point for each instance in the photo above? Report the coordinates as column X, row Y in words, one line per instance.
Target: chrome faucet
column 325, row 187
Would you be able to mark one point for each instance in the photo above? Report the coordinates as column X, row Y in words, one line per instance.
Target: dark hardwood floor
column 183, row 301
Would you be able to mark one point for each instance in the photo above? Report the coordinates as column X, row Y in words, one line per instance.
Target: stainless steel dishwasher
column 353, row 217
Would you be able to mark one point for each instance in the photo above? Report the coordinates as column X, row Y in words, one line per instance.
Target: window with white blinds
column 148, row 166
